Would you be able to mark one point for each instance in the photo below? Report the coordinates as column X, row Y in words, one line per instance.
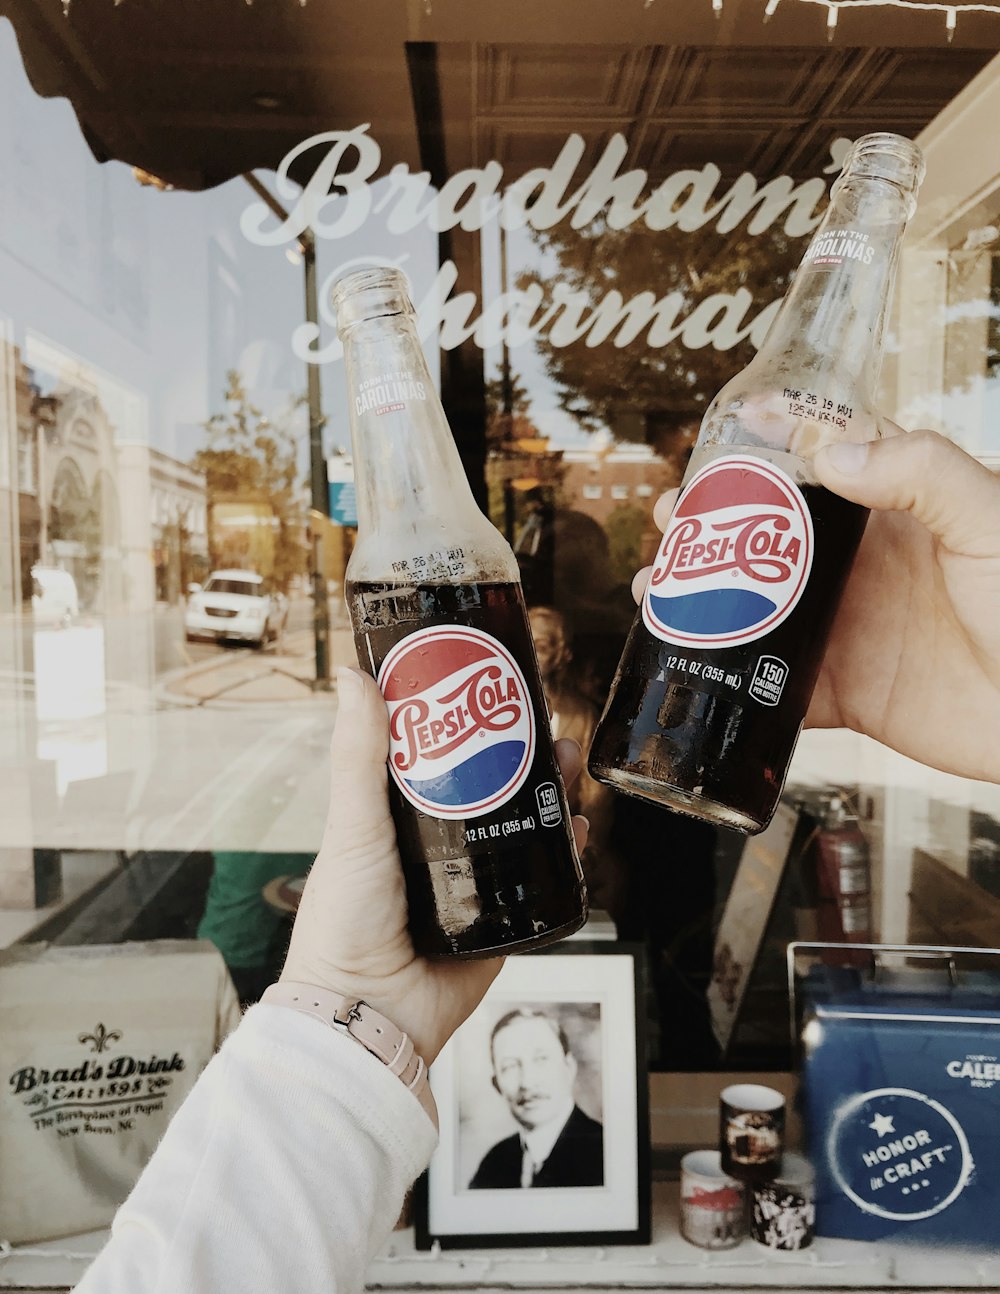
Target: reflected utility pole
column 507, row 411
column 319, row 510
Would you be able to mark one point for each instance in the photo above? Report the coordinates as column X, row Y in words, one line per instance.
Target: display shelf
column 669, row 1263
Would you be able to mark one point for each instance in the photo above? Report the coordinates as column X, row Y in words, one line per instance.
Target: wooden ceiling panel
column 690, row 145
column 907, row 77
column 540, row 80
column 730, row 83
column 769, row 111
column 521, row 146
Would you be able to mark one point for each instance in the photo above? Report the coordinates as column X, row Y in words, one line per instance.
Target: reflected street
column 162, row 629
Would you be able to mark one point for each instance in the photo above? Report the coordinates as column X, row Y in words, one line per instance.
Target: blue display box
column 901, row 1098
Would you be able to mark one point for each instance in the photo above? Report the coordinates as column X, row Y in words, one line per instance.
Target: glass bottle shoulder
column 792, row 413
column 457, row 549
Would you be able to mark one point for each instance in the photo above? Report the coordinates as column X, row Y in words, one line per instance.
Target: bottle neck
column 406, row 465
column 835, row 310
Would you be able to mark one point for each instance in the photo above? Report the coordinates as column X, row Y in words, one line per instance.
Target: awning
column 198, row 91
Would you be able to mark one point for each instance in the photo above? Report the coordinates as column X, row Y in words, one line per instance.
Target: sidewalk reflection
column 71, row 702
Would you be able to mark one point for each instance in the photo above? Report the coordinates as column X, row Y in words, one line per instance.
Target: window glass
column 158, row 428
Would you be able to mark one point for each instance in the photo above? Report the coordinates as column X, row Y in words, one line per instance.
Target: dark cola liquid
column 682, row 726
column 501, row 881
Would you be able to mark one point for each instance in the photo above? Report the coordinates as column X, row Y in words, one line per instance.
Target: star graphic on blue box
column 881, row 1124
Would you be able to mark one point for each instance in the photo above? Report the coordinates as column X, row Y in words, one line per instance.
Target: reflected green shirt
column 237, row 918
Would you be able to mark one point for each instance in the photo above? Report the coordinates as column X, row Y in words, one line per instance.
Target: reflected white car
column 237, row 606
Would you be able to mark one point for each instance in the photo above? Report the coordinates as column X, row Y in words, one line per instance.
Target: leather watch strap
column 367, row 1026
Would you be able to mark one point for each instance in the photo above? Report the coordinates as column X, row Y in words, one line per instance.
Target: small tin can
column 751, row 1131
column 713, row 1204
column 782, row 1211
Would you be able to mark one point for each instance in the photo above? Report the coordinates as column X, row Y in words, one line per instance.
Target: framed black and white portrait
column 543, row 1101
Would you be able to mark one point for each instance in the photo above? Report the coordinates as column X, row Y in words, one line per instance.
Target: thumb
column 360, row 741
column 920, row 472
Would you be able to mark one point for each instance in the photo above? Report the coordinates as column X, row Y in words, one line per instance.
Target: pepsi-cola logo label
column 461, row 725
column 735, row 557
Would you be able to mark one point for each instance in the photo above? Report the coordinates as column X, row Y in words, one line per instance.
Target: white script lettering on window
column 339, row 198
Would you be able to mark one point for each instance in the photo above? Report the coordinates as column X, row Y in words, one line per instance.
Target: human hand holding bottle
column 914, row 656
column 350, row 933
column 914, row 659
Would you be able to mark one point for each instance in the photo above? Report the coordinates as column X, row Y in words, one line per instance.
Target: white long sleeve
column 284, row 1170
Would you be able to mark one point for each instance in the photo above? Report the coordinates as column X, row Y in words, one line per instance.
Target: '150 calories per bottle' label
column 461, row 725
column 735, row 558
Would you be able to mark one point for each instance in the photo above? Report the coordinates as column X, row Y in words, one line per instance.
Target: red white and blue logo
column 461, row 726
column 735, row 557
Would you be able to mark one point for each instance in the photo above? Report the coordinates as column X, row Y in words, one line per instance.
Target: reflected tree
column 257, row 513
column 655, row 393
column 524, row 475
column 626, row 529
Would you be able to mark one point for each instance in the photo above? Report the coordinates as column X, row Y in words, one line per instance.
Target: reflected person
column 572, row 715
column 556, row 1144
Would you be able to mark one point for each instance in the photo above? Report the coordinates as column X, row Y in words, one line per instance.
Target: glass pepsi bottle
column 713, row 686
column 439, row 620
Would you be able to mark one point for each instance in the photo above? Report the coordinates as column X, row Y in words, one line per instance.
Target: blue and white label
column 898, row 1154
column 461, row 725
column 735, row 557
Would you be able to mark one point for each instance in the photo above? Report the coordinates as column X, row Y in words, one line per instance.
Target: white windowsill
column 669, row 1263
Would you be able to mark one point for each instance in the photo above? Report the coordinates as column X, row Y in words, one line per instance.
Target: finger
column 570, row 759
column 922, row 473
column 639, row 581
column 663, row 507
column 360, row 741
column 890, row 428
column 581, row 830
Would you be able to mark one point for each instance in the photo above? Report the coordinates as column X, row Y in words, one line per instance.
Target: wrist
column 366, row 1025
column 392, row 1005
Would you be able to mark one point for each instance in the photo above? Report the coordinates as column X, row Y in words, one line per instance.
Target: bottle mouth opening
column 370, row 293
column 883, row 155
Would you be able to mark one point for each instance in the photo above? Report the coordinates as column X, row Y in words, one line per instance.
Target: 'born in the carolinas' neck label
column 461, row 726
column 735, row 558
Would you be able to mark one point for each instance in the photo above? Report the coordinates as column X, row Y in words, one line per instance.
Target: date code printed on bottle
column 807, row 404
column 442, row 564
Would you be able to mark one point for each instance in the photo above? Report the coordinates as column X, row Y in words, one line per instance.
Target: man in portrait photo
column 556, row 1144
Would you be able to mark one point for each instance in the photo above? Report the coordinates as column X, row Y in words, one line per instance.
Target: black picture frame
column 603, row 980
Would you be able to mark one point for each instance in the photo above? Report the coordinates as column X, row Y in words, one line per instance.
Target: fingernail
column 848, row 457
column 350, row 686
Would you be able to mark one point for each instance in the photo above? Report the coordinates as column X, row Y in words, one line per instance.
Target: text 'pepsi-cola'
column 716, row 677
column 434, row 595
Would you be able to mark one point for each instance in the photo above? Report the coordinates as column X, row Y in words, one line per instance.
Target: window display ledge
column 669, row 1263
column 49, row 1265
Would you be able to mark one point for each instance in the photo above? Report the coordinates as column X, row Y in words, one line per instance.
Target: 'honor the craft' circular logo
column 898, row 1154
column 461, row 726
column 735, row 557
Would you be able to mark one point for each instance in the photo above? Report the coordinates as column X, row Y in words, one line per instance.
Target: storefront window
column 165, row 569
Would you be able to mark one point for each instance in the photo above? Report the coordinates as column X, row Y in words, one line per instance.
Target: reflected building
column 98, row 504
column 68, row 508
column 179, row 511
